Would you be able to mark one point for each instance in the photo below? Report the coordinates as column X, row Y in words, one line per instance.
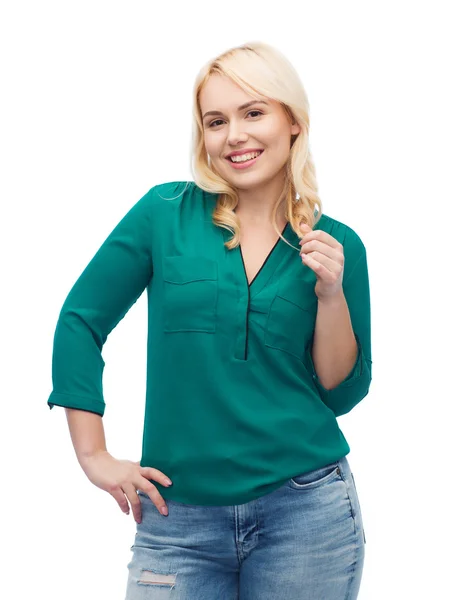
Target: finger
column 322, row 264
column 322, row 236
column 131, row 494
column 155, row 497
column 119, row 496
column 156, row 475
column 322, row 248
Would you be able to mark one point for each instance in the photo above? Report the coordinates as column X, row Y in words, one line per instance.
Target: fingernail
column 164, row 510
column 168, row 482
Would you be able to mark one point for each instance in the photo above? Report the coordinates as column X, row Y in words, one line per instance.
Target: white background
column 95, row 110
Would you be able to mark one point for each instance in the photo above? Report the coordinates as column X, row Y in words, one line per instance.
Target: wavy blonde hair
column 263, row 72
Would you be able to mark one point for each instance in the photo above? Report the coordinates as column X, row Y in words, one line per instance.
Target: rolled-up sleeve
column 348, row 393
column 110, row 284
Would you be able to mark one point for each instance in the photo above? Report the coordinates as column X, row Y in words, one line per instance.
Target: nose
column 236, row 135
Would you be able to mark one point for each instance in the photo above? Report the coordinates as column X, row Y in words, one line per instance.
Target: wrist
column 85, row 458
column 336, row 300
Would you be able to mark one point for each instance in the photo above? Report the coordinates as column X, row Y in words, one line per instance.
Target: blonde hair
column 263, row 72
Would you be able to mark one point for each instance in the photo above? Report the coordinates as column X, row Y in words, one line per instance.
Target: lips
column 241, row 152
column 245, row 164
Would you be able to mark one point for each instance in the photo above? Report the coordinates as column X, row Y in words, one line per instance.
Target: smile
column 243, row 164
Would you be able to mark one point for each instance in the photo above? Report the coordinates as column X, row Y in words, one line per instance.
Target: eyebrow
column 242, row 107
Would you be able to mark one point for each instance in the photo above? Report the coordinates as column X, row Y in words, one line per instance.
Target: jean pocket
column 292, row 316
column 190, row 294
column 317, row 477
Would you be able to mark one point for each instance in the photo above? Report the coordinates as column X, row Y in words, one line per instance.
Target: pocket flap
column 182, row 269
column 300, row 292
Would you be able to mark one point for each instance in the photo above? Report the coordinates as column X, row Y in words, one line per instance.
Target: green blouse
column 233, row 407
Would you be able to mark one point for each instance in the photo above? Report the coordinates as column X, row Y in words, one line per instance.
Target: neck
column 255, row 208
column 260, row 220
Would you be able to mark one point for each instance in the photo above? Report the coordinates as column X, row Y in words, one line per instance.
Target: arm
column 347, row 372
column 110, row 284
column 334, row 348
column 87, row 434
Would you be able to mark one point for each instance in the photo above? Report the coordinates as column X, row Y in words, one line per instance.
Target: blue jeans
column 304, row 541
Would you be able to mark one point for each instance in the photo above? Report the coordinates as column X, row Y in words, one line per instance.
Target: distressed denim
column 304, row 541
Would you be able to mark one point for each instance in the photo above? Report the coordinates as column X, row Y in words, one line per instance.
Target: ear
column 295, row 129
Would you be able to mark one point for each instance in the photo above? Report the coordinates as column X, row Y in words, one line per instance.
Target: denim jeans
column 304, row 541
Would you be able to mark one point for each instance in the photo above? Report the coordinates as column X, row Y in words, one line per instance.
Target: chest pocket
column 190, row 292
column 292, row 316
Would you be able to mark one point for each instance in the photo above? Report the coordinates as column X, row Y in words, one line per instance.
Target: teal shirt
column 233, row 407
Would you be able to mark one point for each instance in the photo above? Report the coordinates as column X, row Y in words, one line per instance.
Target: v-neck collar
column 268, row 267
column 266, row 260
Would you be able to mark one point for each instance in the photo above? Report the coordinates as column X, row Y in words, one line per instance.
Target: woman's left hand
column 324, row 255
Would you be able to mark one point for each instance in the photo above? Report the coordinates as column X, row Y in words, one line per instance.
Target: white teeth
column 244, row 157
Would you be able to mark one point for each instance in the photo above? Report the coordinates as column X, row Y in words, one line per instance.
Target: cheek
column 277, row 135
column 213, row 145
column 277, row 138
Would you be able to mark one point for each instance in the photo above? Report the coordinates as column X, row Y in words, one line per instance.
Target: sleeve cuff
column 350, row 379
column 80, row 402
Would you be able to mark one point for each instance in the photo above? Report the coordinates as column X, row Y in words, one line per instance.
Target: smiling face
column 230, row 126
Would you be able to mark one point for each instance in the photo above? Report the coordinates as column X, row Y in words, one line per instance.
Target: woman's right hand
column 121, row 479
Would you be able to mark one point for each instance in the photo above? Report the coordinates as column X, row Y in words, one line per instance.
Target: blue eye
column 250, row 111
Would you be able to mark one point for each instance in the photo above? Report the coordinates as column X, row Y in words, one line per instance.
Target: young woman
column 258, row 338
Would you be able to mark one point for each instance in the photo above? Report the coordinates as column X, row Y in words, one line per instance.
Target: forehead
column 221, row 93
